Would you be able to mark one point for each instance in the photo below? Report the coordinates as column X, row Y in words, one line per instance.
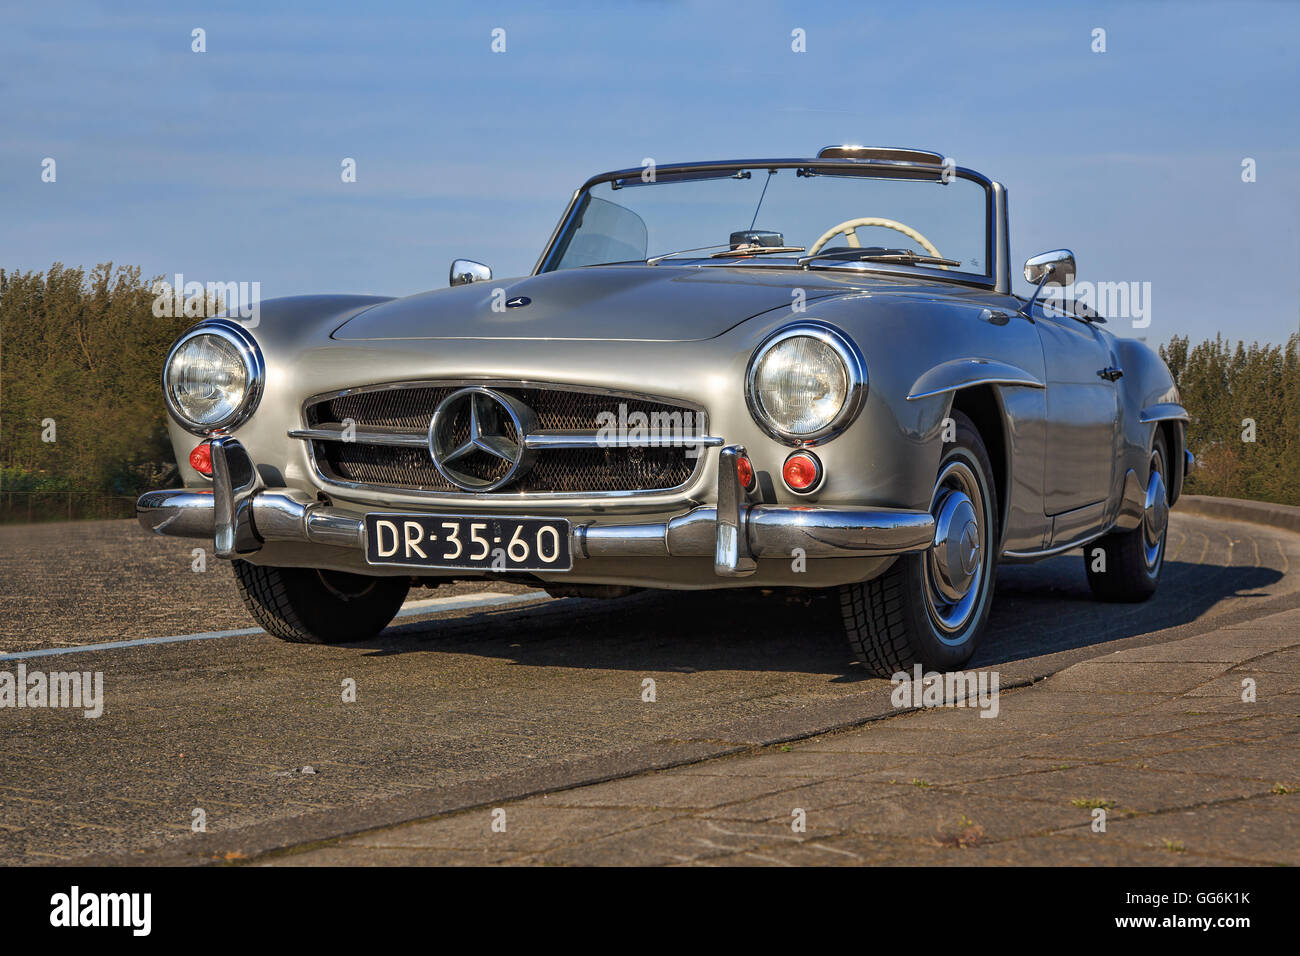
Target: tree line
column 81, row 411
column 1244, row 405
column 81, row 357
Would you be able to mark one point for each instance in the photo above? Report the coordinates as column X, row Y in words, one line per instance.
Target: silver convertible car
column 780, row 373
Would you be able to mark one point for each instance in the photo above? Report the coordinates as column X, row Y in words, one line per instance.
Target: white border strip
column 426, row 606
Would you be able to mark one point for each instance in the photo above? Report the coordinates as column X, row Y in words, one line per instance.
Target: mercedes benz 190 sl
column 777, row 373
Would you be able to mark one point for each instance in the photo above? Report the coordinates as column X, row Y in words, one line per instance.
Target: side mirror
column 465, row 271
column 1056, row 267
column 1051, row 268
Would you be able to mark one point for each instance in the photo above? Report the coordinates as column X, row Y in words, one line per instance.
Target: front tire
column 310, row 606
column 1128, row 568
column 930, row 608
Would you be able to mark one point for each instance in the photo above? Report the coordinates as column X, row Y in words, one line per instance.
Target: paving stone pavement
column 458, row 709
column 1158, row 737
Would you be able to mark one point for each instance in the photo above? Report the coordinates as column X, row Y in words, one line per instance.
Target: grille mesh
column 554, row 471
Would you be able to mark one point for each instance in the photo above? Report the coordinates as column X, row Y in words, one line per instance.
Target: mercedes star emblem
column 477, row 438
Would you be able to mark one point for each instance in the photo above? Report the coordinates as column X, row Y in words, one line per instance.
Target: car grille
column 407, row 411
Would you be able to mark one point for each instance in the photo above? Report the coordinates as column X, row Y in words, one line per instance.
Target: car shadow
column 1038, row 609
column 1048, row 607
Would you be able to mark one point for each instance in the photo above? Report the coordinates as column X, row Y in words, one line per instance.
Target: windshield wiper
column 911, row 258
column 728, row 252
column 755, row 251
column 903, row 256
column 655, row 260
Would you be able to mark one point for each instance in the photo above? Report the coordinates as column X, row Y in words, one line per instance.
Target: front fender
column 284, row 329
column 1149, row 400
column 919, row 352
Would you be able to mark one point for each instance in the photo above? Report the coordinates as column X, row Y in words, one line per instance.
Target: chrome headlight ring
column 855, row 375
column 254, row 369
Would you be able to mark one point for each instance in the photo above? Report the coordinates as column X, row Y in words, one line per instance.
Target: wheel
column 930, row 608
column 1128, row 567
column 307, row 606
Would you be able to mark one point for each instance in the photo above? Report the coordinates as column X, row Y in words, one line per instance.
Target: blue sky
column 225, row 165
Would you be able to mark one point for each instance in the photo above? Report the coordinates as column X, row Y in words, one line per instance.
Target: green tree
column 1244, row 405
column 85, row 351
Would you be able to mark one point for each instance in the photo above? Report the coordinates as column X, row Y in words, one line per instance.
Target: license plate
column 468, row 542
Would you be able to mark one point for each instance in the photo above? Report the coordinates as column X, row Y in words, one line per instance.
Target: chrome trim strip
column 543, row 439
column 555, row 438
column 998, row 236
column 373, row 435
column 1048, row 552
column 965, row 373
column 555, row 233
column 1163, row 412
column 428, row 498
column 970, row 383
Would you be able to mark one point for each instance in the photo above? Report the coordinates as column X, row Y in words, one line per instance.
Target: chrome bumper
column 239, row 515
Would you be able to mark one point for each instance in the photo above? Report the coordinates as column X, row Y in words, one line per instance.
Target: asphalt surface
column 459, row 709
column 1151, row 756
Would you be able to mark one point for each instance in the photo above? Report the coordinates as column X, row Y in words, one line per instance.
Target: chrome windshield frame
column 996, row 239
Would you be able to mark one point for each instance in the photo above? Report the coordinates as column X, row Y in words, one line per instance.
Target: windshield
column 628, row 220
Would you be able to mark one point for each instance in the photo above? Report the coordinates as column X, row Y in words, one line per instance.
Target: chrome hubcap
column 1155, row 513
column 955, row 555
column 956, row 562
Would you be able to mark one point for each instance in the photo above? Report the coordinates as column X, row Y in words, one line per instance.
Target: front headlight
column 806, row 383
column 213, row 377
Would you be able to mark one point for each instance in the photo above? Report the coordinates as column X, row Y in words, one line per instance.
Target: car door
column 1082, row 421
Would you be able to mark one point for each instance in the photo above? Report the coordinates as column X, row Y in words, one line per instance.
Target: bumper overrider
column 240, row 514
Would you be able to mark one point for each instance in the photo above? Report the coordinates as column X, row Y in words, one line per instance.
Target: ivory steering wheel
column 849, row 229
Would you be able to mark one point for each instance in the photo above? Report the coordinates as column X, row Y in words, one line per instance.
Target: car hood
column 637, row 303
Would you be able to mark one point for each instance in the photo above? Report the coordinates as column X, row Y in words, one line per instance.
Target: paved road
column 1144, row 757
column 461, row 708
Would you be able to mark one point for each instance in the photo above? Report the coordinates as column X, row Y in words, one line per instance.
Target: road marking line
column 425, row 606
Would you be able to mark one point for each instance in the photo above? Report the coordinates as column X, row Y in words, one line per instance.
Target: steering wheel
column 849, row 229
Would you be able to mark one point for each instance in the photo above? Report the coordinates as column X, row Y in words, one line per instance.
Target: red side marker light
column 802, row 471
column 201, row 459
column 745, row 472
